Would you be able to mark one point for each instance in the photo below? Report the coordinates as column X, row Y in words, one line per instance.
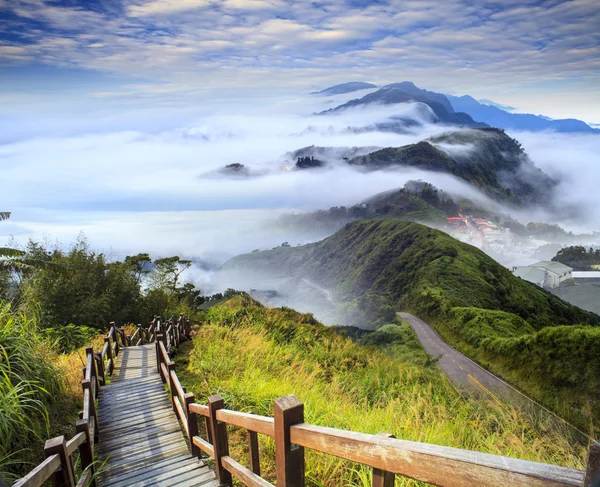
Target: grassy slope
column 379, row 266
column 251, row 355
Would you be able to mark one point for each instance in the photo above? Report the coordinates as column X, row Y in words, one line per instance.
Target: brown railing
column 58, row 464
column 386, row 455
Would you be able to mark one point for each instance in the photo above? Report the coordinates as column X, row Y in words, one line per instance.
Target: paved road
column 328, row 294
column 459, row 369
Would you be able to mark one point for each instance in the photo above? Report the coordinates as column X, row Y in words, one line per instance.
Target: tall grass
column 252, row 355
column 28, row 383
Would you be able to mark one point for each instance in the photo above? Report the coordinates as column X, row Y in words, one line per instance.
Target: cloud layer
column 517, row 52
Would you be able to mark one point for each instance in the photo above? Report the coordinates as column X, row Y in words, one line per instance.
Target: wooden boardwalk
column 140, row 436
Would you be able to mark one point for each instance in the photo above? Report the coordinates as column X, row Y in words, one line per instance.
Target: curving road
column 459, row 369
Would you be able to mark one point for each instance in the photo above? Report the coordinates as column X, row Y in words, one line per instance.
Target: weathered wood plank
column 141, row 435
column 40, row 474
column 261, row 424
column 437, row 465
column 244, row 475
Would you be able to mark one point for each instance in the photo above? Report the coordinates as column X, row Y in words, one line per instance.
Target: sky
column 540, row 56
column 116, row 116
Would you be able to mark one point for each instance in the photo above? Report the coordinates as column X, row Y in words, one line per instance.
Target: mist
column 155, row 182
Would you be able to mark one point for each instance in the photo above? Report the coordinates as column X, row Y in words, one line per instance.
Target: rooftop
column 552, row 266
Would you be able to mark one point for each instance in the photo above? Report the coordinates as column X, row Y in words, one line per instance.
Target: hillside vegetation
column 252, row 355
column 376, row 268
column 487, row 158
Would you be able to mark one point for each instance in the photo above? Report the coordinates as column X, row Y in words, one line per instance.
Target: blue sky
column 540, row 56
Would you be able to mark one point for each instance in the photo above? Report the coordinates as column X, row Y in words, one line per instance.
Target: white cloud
column 159, row 7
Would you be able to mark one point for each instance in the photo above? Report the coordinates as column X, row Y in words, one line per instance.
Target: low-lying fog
column 155, row 182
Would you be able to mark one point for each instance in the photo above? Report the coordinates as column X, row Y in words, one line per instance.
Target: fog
column 151, row 180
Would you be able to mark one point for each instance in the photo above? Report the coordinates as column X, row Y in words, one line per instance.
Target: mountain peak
column 348, row 87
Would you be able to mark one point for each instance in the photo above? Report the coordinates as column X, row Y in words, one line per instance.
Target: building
column 546, row 274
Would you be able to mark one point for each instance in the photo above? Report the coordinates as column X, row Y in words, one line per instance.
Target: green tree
column 167, row 271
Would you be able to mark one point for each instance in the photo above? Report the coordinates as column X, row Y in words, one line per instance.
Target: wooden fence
column 386, row 455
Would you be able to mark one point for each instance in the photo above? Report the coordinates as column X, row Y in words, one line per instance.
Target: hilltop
column 407, row 92
column 375, row 268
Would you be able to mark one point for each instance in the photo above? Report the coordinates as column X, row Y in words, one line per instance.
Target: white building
column 546, row 274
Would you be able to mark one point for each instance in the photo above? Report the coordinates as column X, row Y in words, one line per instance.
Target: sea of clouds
column 142, row 179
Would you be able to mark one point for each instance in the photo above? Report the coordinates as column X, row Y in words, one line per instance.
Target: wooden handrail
column 386, row 455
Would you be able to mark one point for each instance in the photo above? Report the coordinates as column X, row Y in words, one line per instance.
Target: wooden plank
column 244, row 475
column 40, row 474
column 74, row 443
column 152, row 476
column 85, row 478
column 437, row 465
column 205, row 446
column 141, row 435
column 200, row 409
column 261, row 424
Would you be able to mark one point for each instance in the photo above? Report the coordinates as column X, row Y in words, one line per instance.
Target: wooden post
column 219, row 435
column 109, row 353
column 100, row 367
column 115, row 335
column 289, row 458
column 86, row 384
column 192, row 424
column 172, row 391
column 86, row 449
column 65, row 476
column 592, row 469
column 158, row 354
column 89, row 352
column 253, row 458
column 381, row 478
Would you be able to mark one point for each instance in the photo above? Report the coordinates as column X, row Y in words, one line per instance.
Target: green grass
column 378, row 267
column 252, row 355
column 40, row 391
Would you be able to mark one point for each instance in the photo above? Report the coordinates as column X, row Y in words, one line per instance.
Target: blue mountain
column 494, row 116
column 345, row 88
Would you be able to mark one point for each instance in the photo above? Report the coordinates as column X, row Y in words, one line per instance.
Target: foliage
column 70, row 337
column 252, row 355
column 28, row 383
column 578, row 257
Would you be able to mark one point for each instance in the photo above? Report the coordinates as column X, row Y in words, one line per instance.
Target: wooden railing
column 58, row 465
column 386, row 455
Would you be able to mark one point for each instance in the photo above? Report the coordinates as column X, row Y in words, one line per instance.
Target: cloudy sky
column 116, row 115
column 541, row 56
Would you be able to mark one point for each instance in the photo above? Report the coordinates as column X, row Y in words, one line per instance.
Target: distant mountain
column 407, row 92
column 487, row 158
column 345, row 88
column 493, row 115
column 490, row 103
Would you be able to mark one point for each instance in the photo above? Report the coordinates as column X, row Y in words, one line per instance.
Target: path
column 459, row 369
column 140, row 437
column 328, row 294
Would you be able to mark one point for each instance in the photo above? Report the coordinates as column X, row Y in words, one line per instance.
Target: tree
column 167, row 271
column 140, row 265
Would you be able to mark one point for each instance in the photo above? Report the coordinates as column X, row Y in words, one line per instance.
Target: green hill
column 375, row 268
column 487, row 158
